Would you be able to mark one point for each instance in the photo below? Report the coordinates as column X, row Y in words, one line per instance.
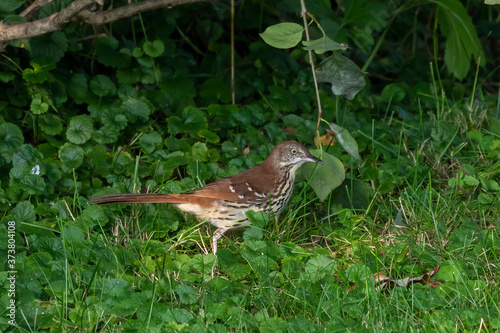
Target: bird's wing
column 240, row 188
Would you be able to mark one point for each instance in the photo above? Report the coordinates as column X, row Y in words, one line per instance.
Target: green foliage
column 147, row 108
column 49, row 46
column 344, row 75
column 346, row 140
column 326, row 178
column 154, row 49
column 283, row 35
column 71, row 157
column 322, row 45
column 80, row 129
column 102, row 85
column 10, row 5
column 11, row 138
column 461, row 37
column 108, row 53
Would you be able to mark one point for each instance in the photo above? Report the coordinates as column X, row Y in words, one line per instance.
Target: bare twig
column 34, row 7
column 69, row 210
column 79, row 11
column 303, row 13
column 233, row 92
column 112, row 15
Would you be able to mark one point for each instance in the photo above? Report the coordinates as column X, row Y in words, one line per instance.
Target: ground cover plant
column 408, row 242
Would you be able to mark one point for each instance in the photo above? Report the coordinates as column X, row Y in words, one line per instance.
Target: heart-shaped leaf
column 327, row 176
column 344, row 75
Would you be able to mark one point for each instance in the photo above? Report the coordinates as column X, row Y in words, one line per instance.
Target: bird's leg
column 217, row 235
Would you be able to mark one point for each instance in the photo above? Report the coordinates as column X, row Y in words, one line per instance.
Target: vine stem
column 233, row 92
column 304, row 13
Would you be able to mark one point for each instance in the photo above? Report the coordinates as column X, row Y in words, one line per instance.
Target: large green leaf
column 50, row 46
column 27, row 170
column 7, row 6
column 215, row 90
column 105, row 135
column 154, row 49
column 37, row 74
column 38, row 105
column 25, row 211
column 80, row 129
column 187, row 294
column 344, row 75
column 11, row 138
column 133, row 108
column 370, row 15
column 33, row 184
column 318, row 267
column 346, row 140
column 352, row 193
column 25, row 158
column 322, row 45
column 101, row 85
column 113, row 117
column 327, row 176
column 150, row 141
column 6, row 77
column 78, row 88
column 209, row 136
column 106, row 47
column 461, row 37
column 283, row 35
column 359, row 274
column 128, row 76
column 282, row 99
column 50, row 124
column 71, row 156
column 393, row 92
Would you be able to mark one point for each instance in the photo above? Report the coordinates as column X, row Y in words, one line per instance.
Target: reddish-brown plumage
column 224, row 202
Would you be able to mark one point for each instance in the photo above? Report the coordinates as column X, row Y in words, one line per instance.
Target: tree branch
column 78, row 11
column 112, row 15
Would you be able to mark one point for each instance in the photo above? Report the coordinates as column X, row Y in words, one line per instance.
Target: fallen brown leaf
column 326, row 140
column 385, row 282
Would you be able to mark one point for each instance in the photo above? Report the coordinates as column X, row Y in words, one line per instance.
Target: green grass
column 126, row 117
column 149, row 268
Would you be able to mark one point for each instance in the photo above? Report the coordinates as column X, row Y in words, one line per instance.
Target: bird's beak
column 313, row 159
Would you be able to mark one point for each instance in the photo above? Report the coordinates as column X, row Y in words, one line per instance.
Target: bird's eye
column 293, row 151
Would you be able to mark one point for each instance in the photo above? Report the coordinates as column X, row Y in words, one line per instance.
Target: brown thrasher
column 224, row 202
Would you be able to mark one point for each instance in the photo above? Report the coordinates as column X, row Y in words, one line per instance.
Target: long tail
column 118, row 198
